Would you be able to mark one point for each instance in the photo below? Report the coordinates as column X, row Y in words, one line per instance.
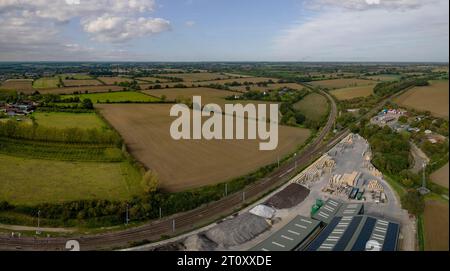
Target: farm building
column 296, row 235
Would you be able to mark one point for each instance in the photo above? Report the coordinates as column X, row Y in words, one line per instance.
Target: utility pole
column 295, row 156
column 38, row 223
column 173, row 225
column 126, row 218
column 278, row 160
column 160, row 213
column 424, row 190
column 226, row 189
column 243, row 196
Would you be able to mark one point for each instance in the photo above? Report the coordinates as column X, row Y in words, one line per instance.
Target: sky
column 224, row 30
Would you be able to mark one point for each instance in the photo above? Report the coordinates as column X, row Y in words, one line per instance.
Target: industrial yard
column 339, row 202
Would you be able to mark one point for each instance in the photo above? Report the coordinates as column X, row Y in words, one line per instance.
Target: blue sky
column 224, row 30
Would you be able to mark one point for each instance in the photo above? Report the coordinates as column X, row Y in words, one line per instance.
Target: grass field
column 440, row 176
column 352, row 92
column 90, row 89
column 21, row 85
column 342, row 83
column 112, row 80
column 314, row 106
column 201, row 76
column 123, row 96
column 32, row 181
column 436, row 225
column 187, row 164
column 269, row 87
column 46, row 82
column 433, row 98
column 84, row 82
column 69, row 120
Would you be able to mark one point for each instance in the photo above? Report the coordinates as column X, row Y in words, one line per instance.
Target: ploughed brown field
column 21, row 85
column 75, row 83
column 433, row 98
column 71, row 90
column 436, row 225
column 268, row 87
column 440, row 176
column 353, row 92
column 342, row 83
column 112, row 80
column 186, row 164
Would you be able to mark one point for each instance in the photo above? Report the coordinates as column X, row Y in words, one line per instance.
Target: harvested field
column 25, row 182
column 385, row 77
column 209, row 95
column 440, row 176
column 154, row 80
column 433, row 98
column 436, row 226
column 289, row 197
column 200, row 76
column 120, row 96
column 238, row 230
column 113, row 80
column 69, row 120
column 75, row 76
column 164, row 85
column 353, row 92
column 89, row 89
column 188, row 164
column 342, row 83
column 46, row 82
column 268, row 87
column 314, row 106
column 20, row 85
column 250, row 80
column 79, row 83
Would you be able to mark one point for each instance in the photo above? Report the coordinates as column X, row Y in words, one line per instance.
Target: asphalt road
column 187, row 221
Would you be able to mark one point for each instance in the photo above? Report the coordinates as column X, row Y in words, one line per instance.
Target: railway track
column 189, row 220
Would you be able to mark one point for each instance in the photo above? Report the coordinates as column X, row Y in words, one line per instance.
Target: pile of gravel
column 198, row 242
column 238, row 230
column 289, row 197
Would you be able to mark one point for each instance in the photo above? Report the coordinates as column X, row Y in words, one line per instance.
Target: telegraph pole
column 126, row 218
column 38, row 223
column 226, row 189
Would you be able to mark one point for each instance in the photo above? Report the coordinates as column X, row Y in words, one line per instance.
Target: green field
column 69, row 120
column 314, row 106
column 32, row 181
column 114, row 97
column 46, row 82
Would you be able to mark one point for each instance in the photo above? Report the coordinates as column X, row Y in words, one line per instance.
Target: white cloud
column 368, row 4
column 189, row 23
column 30, row 27
column 419, row 33
column 119, row 29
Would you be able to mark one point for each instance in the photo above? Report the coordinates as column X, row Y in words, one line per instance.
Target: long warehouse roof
column 290, row 236
column 352, row 233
